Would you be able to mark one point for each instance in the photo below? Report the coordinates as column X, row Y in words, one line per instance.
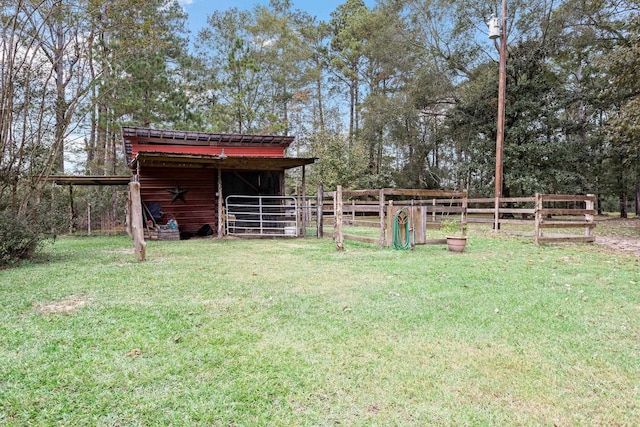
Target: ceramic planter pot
column 456, row 243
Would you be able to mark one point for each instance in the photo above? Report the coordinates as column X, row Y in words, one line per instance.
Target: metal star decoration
column 178, row 193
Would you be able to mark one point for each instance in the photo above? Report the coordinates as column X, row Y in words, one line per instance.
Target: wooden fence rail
column 549, row 217
column 426, row 209
column 552, row 213
column 517, row 211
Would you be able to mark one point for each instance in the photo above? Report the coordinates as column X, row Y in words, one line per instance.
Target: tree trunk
column 320, row 104
column 352, row 110
column 380, row 151
column 356, row 102
column 623, row 204
column 60, row 95
column 285, row 110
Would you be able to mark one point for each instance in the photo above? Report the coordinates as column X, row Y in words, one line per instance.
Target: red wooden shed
column 191, row 177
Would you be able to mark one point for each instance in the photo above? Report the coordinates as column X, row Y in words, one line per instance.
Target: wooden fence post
column 303, row 205
column 389, row 223
column 320, row 211
column 140, row 245
column 538, row 217
column 465, row 206
column 335, row 210
column 421, row 236
column 382, row 202
column 496, row 215
column 433, row 214
column 589, row 205
column 338, row 215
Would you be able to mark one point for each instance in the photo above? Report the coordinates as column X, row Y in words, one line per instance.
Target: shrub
column 452, row 227
column 19, row 238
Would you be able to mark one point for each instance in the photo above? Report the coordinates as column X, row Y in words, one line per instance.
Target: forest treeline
column 401, row 94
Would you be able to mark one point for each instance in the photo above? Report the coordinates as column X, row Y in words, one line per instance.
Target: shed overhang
column 154, row 159
column 89, row 180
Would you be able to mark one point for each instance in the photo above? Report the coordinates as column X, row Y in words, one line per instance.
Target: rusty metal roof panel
column 175, row 135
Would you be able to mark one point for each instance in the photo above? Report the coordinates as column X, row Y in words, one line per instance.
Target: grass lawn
column 293, row 333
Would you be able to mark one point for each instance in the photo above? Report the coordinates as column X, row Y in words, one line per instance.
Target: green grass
column 291, row 332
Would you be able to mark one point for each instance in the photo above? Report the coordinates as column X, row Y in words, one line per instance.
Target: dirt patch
column 619, row 234
column 119, row 251
column 620, row 243
column 68, row 304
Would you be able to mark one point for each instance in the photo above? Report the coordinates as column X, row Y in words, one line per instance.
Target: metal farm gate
column 255, row 216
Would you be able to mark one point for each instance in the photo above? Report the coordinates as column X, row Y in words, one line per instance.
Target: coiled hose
column 401, row 235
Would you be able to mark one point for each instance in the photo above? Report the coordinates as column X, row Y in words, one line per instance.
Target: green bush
column 19, row 238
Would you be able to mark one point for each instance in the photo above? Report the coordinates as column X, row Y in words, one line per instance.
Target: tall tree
column 136, row 61
column 350, row 25
column 43, row 83
column 284, row 54
column 623, row 126
column 238, row 81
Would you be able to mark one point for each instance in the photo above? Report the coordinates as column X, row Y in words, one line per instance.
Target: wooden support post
column 421, row 237
column 53, row 199
column 496, row 214
column 589, row 205
column 302, row 208
column 128, row 215
column 88, row 219
column 389, row 223
column 465, row 206
column 538, row 218
column 72, row 212
column 220, row 206
column 335, row 209
column 412, row 225
column 137, row 225
column 339, row 233
column 381, row 201
column 320, row 211
column 433, row 214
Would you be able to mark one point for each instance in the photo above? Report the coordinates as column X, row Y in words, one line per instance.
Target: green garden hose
column 400, row 222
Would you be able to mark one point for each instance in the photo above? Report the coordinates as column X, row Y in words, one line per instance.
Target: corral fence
column 368, row 215
column 546, row 217
column 358, row 215
column 564, row 214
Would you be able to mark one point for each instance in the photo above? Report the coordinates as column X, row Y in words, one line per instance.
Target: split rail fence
column 548, row 218
column 356, row 210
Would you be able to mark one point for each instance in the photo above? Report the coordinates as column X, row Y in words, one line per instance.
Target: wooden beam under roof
column 90, row 180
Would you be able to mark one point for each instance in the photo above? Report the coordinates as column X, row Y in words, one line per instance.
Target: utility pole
column 502, row 90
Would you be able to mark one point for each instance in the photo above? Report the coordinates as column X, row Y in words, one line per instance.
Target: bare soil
column 619, row 234
column 67, row 305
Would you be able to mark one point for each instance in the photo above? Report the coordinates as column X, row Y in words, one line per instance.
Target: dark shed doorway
column 252, row 183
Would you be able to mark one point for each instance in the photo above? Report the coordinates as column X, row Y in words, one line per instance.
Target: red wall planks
column 200, row 203
column 196, row 203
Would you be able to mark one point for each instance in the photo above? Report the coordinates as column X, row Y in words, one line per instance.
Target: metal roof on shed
column 217, row 161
